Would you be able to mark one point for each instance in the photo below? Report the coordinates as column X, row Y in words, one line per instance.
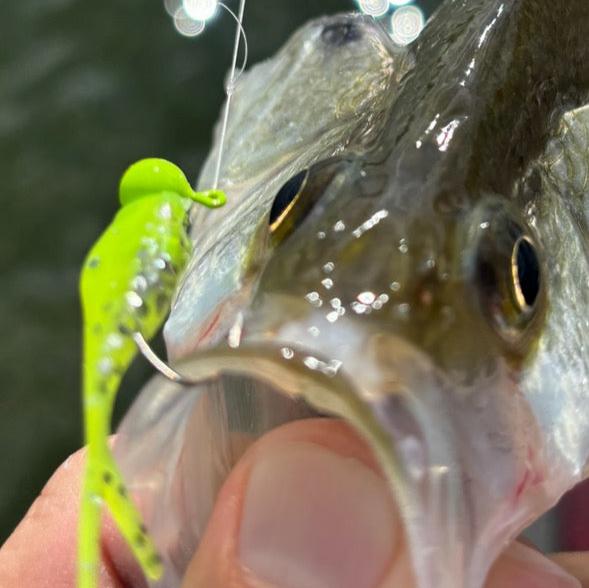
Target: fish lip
column 299, row 372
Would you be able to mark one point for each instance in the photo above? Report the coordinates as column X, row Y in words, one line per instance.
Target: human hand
column 304, row 508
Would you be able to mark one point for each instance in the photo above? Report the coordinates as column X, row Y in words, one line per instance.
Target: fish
column 405, row 247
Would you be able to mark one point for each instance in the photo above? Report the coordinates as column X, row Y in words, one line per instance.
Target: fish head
column 412, row 312
column 402, row 278
column 325, row 93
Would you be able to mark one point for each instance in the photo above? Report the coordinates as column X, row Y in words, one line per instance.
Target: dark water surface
column 85, row 89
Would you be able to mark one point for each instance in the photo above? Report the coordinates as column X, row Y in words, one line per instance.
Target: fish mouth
column 391, row 408
column 192, row 437
column 178, row 444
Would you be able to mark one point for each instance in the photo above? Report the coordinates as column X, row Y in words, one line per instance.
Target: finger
column 576, row 564
column 522, row 566
column 42, row 550
column 307, row 507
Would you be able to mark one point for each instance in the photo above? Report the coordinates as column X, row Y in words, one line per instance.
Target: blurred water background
column 85, row 89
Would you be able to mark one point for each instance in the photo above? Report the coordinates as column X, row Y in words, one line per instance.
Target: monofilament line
column 230, row 88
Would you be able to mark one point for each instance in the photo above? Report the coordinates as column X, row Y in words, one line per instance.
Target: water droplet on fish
column 314, row 299
column 335, row 303
column 485, row 225
column 311, row 362
column 395, row 286
column 339, row 227
column 360, row 308
column 380, row 302
column 320, row 235
column 234, row 336
column 329, row 267
column 327, row 283
column 366, row 297
column 329, row 369
column 287, row 353
column 314, row 331
column 159, row 264
column 332, row 316
column 403, row 247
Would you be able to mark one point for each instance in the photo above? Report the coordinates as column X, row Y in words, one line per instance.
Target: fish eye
column 508, row 277
column 286, row 199
column 298, row 196
column 525, row 269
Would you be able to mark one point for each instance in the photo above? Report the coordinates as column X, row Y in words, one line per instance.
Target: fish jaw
column 436, row 441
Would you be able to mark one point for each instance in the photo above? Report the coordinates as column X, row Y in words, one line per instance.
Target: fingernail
column 525, row 567
column 315, row 519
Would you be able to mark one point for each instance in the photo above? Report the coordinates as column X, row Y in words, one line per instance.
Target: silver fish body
column 428, row 285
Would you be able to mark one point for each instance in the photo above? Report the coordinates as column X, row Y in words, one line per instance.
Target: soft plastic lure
column 127, row 283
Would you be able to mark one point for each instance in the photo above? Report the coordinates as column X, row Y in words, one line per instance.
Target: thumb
column 307, row 507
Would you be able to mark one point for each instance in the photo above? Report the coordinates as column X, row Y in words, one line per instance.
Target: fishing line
column 230, row 86
column 239, row 21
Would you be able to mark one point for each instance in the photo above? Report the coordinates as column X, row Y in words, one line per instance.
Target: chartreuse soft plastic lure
column 126, row 287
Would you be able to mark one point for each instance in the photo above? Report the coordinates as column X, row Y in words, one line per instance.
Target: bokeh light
column 172, row 6
column 374, row 7
column 407, row 22
column 400, row 2
column 186, row 25
column 200, row 9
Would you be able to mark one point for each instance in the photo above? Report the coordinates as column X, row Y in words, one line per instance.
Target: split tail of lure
column 104, row 485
